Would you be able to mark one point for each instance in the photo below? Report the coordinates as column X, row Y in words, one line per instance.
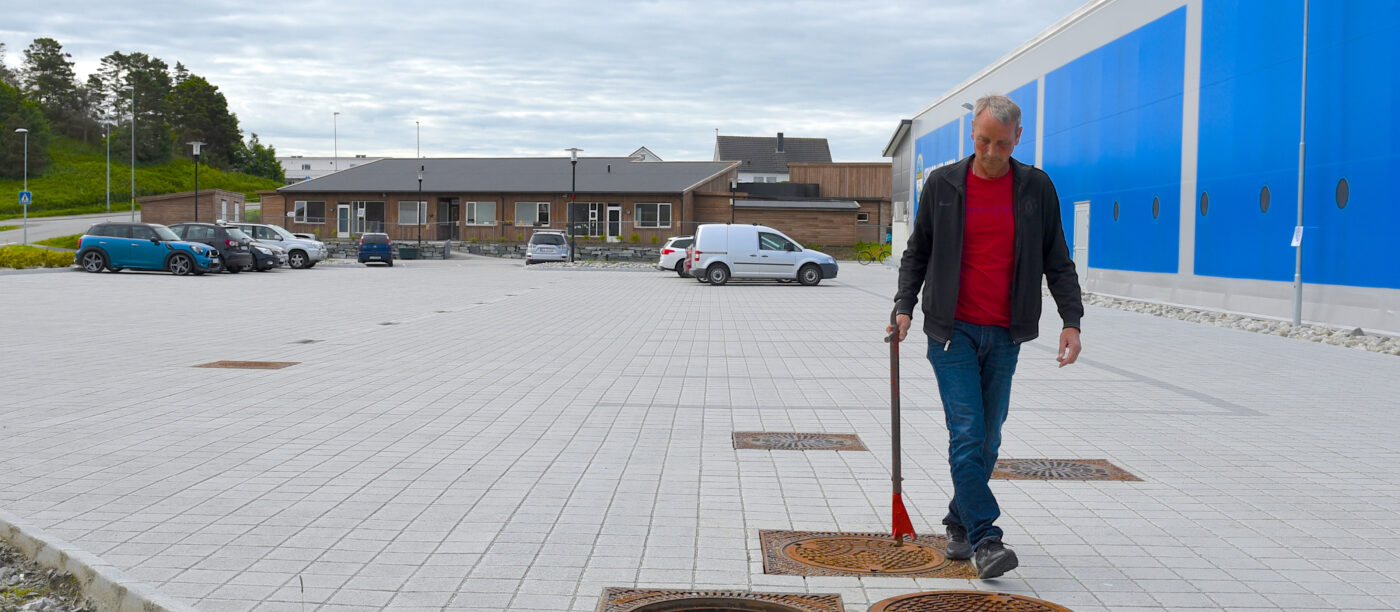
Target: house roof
column 799, row 204
column 760, row 153
column 515, row 175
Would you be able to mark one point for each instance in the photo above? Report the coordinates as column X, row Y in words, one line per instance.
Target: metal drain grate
column 777, row 440
column 814, row 553
column 640, row 600
column 965, row 601
column 248, row 365
column 1060, row 469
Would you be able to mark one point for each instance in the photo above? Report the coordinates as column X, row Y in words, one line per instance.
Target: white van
column 723, row 251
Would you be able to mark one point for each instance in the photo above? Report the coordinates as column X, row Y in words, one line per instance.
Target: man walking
column 987, row 229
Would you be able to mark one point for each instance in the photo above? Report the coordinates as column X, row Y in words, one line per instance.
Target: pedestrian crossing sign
column 26, row 197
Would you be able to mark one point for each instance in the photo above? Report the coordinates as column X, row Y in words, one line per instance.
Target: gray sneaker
column 992, row 560
column 959, row 549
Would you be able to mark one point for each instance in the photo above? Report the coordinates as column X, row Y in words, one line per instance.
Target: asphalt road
column 42, row 228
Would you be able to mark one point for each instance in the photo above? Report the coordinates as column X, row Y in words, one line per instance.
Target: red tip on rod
column 902, row 525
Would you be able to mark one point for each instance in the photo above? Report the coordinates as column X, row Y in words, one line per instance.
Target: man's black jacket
column 933, row 257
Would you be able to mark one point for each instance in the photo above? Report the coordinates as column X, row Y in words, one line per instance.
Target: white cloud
column 534, row 77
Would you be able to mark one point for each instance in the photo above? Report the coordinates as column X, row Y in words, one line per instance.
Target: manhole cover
column 639, row 600
column 965, row 601
column 1059, row 469
column 777, row 440
column 808, row 553
column 248, row 365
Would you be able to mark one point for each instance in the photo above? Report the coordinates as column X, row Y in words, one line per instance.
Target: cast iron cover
column 248, row 365
column 642, row 600
column 1059, row 469
column 780, row 440
column 814, row 553
column 965, row 601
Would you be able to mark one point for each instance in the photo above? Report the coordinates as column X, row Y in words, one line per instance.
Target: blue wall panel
column 1353, row 133
column 1024, row 96
column 1250, row 87
column 937, row 148
column 1113, row 134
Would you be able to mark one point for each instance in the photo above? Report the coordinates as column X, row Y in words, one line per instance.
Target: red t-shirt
column 988, row 253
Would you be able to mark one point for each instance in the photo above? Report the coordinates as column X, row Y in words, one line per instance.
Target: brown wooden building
column 867, row 183
column 214, row 205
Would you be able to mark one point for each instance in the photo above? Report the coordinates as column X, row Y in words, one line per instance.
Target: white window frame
column 300, row 208
column 637, row 214
column 862, row 217
column 534, row 219
column 421, row 213
column 473, row 213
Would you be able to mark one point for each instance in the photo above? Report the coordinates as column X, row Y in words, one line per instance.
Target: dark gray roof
column 760, row 153
column 514, row 175
column 799, row 204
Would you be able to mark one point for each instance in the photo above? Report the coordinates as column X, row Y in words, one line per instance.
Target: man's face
column 993, row 142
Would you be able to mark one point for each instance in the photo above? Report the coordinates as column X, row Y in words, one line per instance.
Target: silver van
column 723, row 251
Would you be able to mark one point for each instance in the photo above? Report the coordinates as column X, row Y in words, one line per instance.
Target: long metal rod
column 133, row 152
column 1302, row 148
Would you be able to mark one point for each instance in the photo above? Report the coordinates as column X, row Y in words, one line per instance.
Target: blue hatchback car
column 376, row 247
column 143, row 246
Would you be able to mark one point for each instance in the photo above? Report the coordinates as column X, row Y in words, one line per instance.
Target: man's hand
column 902, row 320
column 1069, row 346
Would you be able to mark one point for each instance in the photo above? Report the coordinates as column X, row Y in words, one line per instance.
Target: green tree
column 7, row 76
column 151, row 79
column 198, row 111
column 259, row 160
column 18, row 112
column 48, row 74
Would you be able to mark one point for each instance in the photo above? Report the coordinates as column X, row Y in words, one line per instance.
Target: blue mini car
column 143, row 246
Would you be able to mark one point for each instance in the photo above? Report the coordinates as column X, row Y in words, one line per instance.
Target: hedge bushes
column 22, row 256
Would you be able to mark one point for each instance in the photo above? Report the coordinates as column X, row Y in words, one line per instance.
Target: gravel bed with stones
column 26, row 587
column 1353, row 338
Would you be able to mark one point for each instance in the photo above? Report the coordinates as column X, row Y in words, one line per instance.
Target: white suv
column 547, row 245
column 673, row 254
column 725, row 251
column 301, row 253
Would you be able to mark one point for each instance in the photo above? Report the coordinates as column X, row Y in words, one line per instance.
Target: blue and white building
column 1172, row 130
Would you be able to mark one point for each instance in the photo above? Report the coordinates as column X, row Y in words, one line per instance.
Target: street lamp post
column 196, row 144
column 26, row 181
column 573, row 188
column 133, row 152
column 421, row 207
column 418, row 132
column 108, row 138
column 335, row 138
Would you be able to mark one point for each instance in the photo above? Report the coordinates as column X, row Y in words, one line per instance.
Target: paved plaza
column 471, row 434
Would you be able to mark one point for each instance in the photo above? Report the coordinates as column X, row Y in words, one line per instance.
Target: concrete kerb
column 101, row 582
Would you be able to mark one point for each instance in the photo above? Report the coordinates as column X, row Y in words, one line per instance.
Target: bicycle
column 871, row 253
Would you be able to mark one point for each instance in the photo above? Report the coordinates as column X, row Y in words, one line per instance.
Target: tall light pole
column 420, row 206
column 573, row 188
column 1302, row 148
column 335, row 137
column 26, row 181
column 108, row 138
column 133, row 152
column 418, row 131
column 196, row 144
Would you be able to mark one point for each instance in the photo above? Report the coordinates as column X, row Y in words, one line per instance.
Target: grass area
column 62, row 242
column 76, row 182
column 22, row 256
column 6, row 228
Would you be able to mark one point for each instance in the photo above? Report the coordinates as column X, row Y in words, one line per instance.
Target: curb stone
column 101, row 582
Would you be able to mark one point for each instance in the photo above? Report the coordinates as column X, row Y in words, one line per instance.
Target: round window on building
column 1115, row 211
column 1264, row 199
column 1156, row 207
column 1205, row 203
column 1343, row 193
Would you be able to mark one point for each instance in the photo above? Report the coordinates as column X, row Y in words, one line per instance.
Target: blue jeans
column 974, row 381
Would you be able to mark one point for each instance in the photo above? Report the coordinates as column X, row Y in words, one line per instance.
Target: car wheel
column 297, row 260
column 809, row 275
column 235, row 269
column 93, row 261
column 180, row 264
column 391, row 263
column 784, row 280
column 115, row 270
column 680, row 269
column 717, row 274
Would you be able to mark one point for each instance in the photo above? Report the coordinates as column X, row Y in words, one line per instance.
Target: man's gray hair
column 1003, row 109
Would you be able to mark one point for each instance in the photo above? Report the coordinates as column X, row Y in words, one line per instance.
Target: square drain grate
column 248, row 365
column 817, row 553
column 1060, row 469
column 642, row 600
column 779, row 440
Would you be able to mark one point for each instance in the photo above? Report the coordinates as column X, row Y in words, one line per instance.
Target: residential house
column 766, row 160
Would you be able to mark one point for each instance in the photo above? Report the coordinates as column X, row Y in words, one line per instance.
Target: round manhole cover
column 876, row 555
column 965, row 601
column 1055, row 469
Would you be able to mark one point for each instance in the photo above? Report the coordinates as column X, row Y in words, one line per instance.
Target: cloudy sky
column 533, row 77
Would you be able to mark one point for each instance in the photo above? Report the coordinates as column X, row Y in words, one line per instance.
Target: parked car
column 143, row 246
column 301, row 253
column 267, row 256
column 673, row 254
column 376, row 247
column 547, row 245
column 723, row 251
column 235, row 247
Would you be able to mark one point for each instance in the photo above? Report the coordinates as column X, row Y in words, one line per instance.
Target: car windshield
column 164, row 232
column 376, row 238
column 237, row 234
column 556, row 239
column 286, row 235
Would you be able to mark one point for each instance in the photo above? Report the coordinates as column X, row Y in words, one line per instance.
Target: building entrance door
column 614, row 222
column 342, row 221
